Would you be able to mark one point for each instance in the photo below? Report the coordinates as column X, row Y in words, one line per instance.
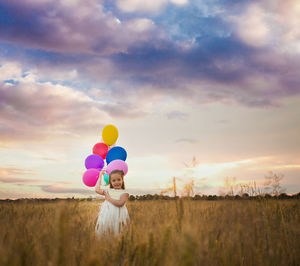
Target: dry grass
column 179, row 232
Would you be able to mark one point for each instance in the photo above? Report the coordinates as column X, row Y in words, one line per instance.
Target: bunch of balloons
column 115, row 157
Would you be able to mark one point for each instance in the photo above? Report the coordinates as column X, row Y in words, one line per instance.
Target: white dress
column 112, row 219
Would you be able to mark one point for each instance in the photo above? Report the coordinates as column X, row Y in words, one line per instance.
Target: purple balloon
column 90, row 177
column 117, row 165
column 94, row 161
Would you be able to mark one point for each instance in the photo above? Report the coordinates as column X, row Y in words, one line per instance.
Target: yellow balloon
column 110, row 135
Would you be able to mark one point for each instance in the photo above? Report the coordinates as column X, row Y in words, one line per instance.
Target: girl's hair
column 121, row 173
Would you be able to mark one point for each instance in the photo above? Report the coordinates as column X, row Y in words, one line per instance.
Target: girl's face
column 116, row 181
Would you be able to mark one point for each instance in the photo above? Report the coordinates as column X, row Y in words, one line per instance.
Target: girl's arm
column 97, row 187
column 118, row 203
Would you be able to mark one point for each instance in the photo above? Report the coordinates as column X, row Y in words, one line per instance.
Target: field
column 182, row 232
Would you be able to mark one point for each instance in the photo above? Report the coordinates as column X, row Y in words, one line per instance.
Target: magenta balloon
column 117, row 165
column 90, row 177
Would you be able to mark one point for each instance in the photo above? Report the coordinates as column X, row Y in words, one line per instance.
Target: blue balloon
column 116, row 153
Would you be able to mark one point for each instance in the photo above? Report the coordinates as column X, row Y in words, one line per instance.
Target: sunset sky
column 218, row 80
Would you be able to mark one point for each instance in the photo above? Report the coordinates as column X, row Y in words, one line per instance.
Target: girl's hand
column 102, row 172
column 107, row 197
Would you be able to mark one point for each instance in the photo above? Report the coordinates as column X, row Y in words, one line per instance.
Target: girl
column 113, row 214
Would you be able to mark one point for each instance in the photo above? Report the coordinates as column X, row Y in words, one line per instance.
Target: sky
column 215, row 80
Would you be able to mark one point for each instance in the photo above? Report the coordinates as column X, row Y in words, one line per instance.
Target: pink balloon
column 90, row 177
column 117, row 165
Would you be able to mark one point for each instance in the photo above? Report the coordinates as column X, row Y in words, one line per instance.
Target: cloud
column 287, row 166
column 202, row 54
column 8, row 175
column 18, row 180
column 146, row 6
column 60, row 188
column 216, row 70
column 143, row 191
column 188, row 140
column 52, row 159
column 34, row 110
column 72, row 27
column 212, row 170
column 140, row 24
column 177, row 115
column 11, row 194
column 223, row 121
column 267, row 24
column 10, row 70
column 179, row 2
column 253, row 27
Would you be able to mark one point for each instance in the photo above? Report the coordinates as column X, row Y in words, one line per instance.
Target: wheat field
column 171, row 232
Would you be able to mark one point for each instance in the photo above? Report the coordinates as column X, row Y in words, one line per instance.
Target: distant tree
column 156, row 196
column 283, row 196
column 231, row 187
column 272, row 183
column 131, row 198
column 267, row 196
column 228, row 197
column 245, row 195
column 149, row 197
column 212, row 197
column 251, row 188
column 89, row 198
column 197, row 197
column 237, row 197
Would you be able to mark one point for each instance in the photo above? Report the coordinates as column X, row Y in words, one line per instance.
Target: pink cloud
column 147, row 6
column 33, row 110
column 70, row 26
column 60, row 188
column 18, row 180
column 12, row 194
column 8, row 175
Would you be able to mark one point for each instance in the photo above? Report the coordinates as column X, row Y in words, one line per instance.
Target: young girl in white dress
column 113, row 215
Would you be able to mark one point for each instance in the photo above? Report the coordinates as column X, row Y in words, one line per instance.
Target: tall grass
column 179, row 232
